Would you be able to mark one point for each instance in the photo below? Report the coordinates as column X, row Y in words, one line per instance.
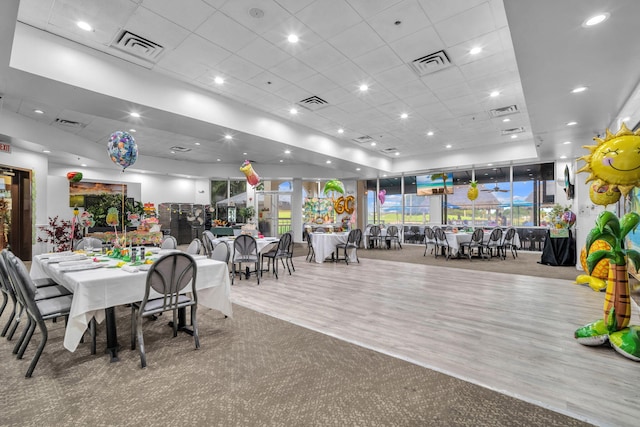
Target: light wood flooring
column 510, row 333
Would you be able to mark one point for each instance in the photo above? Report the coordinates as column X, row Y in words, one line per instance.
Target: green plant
column 99, row 205
column 58, row 233
column 247, row 213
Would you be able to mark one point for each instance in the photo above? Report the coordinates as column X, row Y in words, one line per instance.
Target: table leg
column 112, row 336
column 182, row 322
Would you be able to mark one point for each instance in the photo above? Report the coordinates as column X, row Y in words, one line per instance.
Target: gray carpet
column 252, row 370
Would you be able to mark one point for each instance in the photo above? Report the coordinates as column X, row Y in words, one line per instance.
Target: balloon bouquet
column 123, row 151
column 613, row 162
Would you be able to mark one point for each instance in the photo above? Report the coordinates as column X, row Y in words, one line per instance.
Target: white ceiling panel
column 188, row 14
column 398, row 21
column 467, row 25
column 241, row 11
column 224, row 31
column 357, row 40
column 329, row 17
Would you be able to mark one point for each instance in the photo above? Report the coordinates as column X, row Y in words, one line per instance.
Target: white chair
column 194, row 247
column 169, row 242
column 220, row 252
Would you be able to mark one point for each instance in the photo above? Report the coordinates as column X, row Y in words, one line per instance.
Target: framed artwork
column 78, row 191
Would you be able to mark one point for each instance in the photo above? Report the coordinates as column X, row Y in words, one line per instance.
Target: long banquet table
column 99, row 289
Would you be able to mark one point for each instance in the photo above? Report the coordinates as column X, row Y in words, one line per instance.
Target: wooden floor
column 510, row 333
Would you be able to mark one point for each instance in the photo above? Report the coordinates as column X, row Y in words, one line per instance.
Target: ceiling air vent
column 431, row 63
column 512, row 131
column 180, row 149
column 389, row 151
column 504, row 111
column 364, row 140
column 68, row 124
column 138, row 46
column 313, row 103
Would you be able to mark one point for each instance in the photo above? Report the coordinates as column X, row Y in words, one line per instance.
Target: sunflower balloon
column 615, row 159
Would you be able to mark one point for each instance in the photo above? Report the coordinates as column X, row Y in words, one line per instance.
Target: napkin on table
column 76, row 262
column 130, row 269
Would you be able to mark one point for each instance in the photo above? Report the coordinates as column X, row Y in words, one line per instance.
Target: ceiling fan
column 495, row 189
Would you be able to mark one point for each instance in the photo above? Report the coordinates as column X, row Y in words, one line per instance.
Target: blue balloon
column 122, row 149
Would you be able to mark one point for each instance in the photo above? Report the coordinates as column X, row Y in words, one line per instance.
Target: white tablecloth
column 456, row 239
column 261, row 244
column 97, row 289
column 324, row 244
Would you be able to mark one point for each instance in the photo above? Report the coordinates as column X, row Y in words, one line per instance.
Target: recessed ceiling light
column 244, row 154
column 340, row 130
column 563, row 157
column 514, row 136
column 281, row 160
column 293, row 38
column 430, row 133
column 173, row 152
column 476, row 50
column 38, row 111
column 384, row 175
column 197, row 143
column 287, row 151
column 494, row 94
column 357, row 169
column 572, row 123
column 364, row 88
column 404, row 115
column 567, row 142
column 293, row 111
column 84, row 165
column 448, row 146
column 84, row 26
column 218, row 80
column 373, row 144
column 328, row 161
column 132, row 130
column 579, row 89
column 228, row 136
column 626, row 119
column 134, row 114
column 489, row 164
column 506, row 120
column 397, row 153
column 595, row 20
column 46, row 151
column 218, row 160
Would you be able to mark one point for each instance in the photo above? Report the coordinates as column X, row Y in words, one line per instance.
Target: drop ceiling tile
column 418, row 100
column 418, row 44
column 378, row 60
column 453, row 91
column 293, row 70
column 239, row 11
column 396, row 76
column 499, row 14
column 357, row 40
column 180, row 65
column 202, row 51
column 490, row 44
column 186, row 14
column 353, row 105
column 348, row 75
column 333, row 113
column 321, row 57
column 412, row 88
column 329, row 17
column 336, row 95
column 292, row 25
column 272, row 102
column 410, row 15
column 368, row 8
column 294, row 6
column 224, row 31
column 263, row 53
column 443, row 78
column 293, row 93
column 439, row 10
column 215, row 3
column 466, row 25
column 154, row 27
column 268, row 82
column 379, row 96
column 318, row 84
column 238, row 68
column 245, row 91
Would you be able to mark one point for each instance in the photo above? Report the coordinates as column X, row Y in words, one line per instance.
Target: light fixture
column 328, row 161
column 364, row 88
column 84, row 26
column 506, row 120
column 595, row 20
column 244, row 154
column 514, row 136
column 84, row 165
column 626, row 119
column 448, row 146
column 357, row 169
column 218, row 160
column 373, row 144
column 579, row 89
column 563, row 157
column 397, row 153
column 404, row 115
column 430, row 133
column 476, row 50
column 46, row 151
column 293, row 111
column 133, row 130
column 566, row 142
column 340, row 130
column 489, row 164
column 173, row 152
column 281, row 160
column 134, row 114
column 287, row 151
column 218, row 80
column 293, row 38
column 494, row 94
column 197, row 143
column 572, row 123
column 38, row 111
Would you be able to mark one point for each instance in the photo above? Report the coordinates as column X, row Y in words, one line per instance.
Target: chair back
column 509, row 235
column 392, row 231
column 319, row 230
column 496, row 235
column 194, row 247
column 429, row 234
column 207, row 242
column 441, row 236
column 169, row 275
column 5, row 280
column 87, row 243
column 245, row 246
column 284, row 244
column 220, row 252
column 355, row 237
column 374, row 231
column 309, row 235
column 23, row 286
column 478, row 235
column 169, row 242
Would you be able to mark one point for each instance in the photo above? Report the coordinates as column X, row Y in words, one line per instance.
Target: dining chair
column 245, row 250
column 373, row 239
column 87, row 243
column 169, row 276
column 442, row 245
column 508, row 243
column 429, row 239
column 194, row 247
column 37, row 310
column 310, row 252
column 280, row 252
column 207, row 243
column 492, row 246
column 169, row 242
column 220, row 252
column 354, row 238
column 290, row 252
column 476, row 243
column 392, row 237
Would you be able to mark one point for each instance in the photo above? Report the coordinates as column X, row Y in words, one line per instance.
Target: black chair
column 476, row 243
column 492, row 246
column 373, row 239
column 310, row 252
column 392, row 237
column 352, row 244
column 508, row 243
column 429, row 239
column 207, row 243
column 442, row 245
column 169, row 276
column 280, row 252
column 245, row 250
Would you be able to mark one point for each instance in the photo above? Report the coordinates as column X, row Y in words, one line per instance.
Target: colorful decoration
column 615, row 160
column 252, row 177
column 617, row 306
column 333, row 185
column 344, row 204
column 597, row 280
column 569, row 218
column 112, row 217
column 472, row 192
column 74, row 176
column 122, row 149
column 382, row 195
column 86, row 219
column 603, row 194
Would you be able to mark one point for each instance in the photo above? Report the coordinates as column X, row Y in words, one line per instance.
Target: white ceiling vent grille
column 313, row 103
column 364, row 140
column 431, row 63
column 180, row 149
column 512, row 131
column 389, row 151
column 504, row 111
column 68, row 124
column 138, row 46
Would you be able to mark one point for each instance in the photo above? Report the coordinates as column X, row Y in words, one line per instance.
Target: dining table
column 99, row 283
column 455, row 239
column 324, row 245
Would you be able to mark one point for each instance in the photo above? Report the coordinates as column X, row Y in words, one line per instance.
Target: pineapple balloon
column 472, row 192
column 112, row 217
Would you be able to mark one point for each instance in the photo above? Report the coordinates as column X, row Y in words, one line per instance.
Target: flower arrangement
column 219, row 223
column 561, row 217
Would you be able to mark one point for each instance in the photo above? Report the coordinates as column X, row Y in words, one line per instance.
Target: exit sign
column 5, row 147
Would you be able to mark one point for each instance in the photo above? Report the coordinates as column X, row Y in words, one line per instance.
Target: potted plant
column 247, row 213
